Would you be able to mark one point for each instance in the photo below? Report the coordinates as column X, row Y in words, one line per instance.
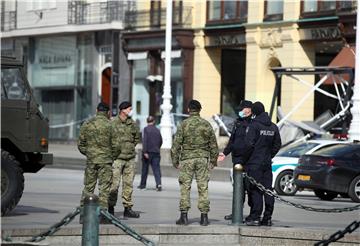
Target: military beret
column 194, row 105
column 103, row 107
column 124, row 105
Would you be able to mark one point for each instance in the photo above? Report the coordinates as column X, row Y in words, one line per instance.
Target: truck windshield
column 12, row 84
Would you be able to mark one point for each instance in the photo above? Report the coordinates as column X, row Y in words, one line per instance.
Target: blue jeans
column 154, row 161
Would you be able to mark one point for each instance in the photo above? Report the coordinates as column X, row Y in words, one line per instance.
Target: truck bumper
column 46, row 159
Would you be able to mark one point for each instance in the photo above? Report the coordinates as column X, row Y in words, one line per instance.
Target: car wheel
column 325, row 195
column 284, row 183
column 354, row 190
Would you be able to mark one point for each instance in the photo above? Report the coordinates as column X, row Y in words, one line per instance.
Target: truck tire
column 12, row 182
column 285, row 185
column 354, row 189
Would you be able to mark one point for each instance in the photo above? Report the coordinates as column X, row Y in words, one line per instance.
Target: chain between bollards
column 238, row 195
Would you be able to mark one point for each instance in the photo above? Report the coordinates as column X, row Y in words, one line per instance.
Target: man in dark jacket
column 262, row 143
column 151, row 141
column 236, row 144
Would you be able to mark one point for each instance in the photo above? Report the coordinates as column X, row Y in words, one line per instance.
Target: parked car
column 331, row 171
column 286, row 161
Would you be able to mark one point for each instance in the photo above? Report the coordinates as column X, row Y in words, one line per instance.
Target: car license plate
column 304, row 177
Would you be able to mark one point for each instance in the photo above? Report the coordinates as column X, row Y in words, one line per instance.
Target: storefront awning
column 345, row 58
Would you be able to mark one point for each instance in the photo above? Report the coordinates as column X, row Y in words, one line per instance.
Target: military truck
column 24, row 133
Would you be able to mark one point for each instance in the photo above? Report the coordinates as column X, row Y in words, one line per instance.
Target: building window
column 317, row 7
column 220, row 11
column 33, row 5
column 177, row 12
column 155, row 13
column 274, row 10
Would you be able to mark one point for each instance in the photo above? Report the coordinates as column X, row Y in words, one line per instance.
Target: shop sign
column 55, row 60
column 225, row 40
column 325, row 33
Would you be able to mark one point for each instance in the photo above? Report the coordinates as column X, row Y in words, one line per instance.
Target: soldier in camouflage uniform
column 125, row 136
column 194, row 152
column 95, row 143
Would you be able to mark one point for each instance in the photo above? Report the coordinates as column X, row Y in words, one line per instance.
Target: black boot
column 228, row 217
column 183, row 220
column 128, row 212
column 111, row 210
column 204, row 221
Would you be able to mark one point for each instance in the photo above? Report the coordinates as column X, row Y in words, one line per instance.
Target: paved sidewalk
column 66, row 155
column 53, row 193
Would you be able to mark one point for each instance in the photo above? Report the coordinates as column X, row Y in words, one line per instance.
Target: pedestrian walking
column 262, row 143
column 125, row 136
column 151, row 141
column 194, row 152
column 95, row 143
column 236, row 144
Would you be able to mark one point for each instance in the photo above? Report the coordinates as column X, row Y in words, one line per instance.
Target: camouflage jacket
column 194, row 138
column 95, row 139
column 125, row 136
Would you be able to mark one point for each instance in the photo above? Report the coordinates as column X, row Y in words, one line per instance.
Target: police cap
column 245, row 104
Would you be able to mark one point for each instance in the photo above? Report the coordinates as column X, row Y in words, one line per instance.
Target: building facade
column 246, row 39
column 80, row 52
column 73, row 55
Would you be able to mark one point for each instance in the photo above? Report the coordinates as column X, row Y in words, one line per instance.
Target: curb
column 189, row 235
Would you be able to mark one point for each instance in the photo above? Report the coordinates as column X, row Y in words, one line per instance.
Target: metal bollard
column 238, row 195
column 90, row 229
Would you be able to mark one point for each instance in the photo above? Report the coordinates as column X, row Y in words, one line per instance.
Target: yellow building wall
column 207, row 76
column 278, row 46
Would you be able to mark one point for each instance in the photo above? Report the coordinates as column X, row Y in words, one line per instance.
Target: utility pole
column 165, row 124
column 354, row 131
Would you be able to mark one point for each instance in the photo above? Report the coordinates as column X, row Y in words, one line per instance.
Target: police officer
column 194, row 152
column 262, row 143
column 125, row 136
column 95, row 143
column 236, row 142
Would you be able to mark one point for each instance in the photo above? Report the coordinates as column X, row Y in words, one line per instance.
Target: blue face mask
column 241, row 114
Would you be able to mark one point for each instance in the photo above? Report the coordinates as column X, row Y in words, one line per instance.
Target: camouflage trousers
column 93, row 173
column 200, row 168
column 126, row 170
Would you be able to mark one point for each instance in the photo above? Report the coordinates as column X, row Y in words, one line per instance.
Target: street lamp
column 165, row 123
column 354, row 131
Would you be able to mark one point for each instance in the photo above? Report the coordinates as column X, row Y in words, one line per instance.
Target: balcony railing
column 135, row 20
column 8, row 21
column 82, row 13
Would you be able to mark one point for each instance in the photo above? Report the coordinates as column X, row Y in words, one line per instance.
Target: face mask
column 130, row 113
column 241, row 114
